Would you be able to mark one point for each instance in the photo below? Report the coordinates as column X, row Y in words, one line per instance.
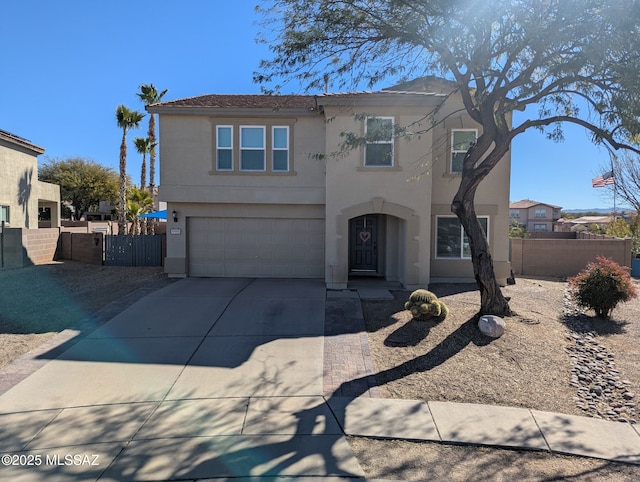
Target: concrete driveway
column 203, row 378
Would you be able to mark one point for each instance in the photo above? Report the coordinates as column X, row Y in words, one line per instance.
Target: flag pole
column 615, row 191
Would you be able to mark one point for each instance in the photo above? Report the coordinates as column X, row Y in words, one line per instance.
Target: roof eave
column 231, row 111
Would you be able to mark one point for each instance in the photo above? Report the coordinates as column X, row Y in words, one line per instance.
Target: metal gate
column 133, row 250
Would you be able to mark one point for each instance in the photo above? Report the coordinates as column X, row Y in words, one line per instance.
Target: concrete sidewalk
column 223, row 378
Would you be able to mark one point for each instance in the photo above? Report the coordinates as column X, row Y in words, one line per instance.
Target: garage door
column 256, row 247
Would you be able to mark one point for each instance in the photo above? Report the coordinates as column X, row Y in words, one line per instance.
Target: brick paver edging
column 348, row 368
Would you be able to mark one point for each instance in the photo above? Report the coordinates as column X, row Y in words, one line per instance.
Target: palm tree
column 139, row 202
column 143, row 146
column 149, row 95
column 127, row 119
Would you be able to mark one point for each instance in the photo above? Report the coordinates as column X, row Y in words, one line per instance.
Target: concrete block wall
column 40, row 244
column 24, row 247
column 84, row 247
column 564, row 257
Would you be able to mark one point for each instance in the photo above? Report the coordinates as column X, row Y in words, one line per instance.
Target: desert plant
column 424, row 305
column 601, row 286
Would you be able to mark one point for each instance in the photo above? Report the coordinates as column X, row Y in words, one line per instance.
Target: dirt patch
column 419, row 461
column 39, row 301
column 529, row 366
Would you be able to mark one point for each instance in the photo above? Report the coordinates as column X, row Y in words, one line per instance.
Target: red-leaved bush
column 602, row 285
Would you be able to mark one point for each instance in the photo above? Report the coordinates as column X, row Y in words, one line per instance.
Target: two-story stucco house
column 21, row 194
column 536, row 216
column 260, row 187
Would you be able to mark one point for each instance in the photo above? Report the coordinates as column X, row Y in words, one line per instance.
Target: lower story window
column 452, row 241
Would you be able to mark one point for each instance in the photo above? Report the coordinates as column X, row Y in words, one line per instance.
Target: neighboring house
column 256, row 190
column 22, row 196
column 536, row 216
column 585, row 223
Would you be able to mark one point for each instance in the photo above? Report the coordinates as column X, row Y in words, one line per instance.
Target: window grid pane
column 252, row 151
column 379, row 146
column 252, row 137
column 280, row 151
column 452, row 242
column 252, row 160
column 461, row 141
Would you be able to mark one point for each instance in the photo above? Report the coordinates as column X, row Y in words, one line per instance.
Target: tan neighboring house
column 254, row 189
column 536, row 216
column 21, row 194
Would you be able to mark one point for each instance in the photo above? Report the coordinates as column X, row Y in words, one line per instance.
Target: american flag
column 605, row 180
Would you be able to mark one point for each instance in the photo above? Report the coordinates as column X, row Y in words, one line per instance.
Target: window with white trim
column 252, row 148
column 4, row 214
column 379, row 142
column 539, row 227
column 280, row 148
column 461, row 142
column 451, row 240
column 541, row 213
column 514, row 213
column 224, row 148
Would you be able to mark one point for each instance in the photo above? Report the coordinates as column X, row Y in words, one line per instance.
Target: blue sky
column 67, row 64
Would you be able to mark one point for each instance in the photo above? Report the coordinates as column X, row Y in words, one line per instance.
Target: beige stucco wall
column 420, row 183
column 191, row 186
column 21, row 190
column 492, row 200
column 354, row 190
column 408, row 196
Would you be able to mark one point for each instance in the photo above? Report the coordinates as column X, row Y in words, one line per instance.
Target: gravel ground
column 541, row 361
column 39, row 301
column 538, row 363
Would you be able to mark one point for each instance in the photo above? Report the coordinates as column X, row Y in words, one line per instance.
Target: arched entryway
column 376, row 238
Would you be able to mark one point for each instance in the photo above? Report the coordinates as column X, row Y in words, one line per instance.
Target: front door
column 363, row 243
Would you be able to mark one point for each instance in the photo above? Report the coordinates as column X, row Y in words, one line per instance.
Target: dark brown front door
column 363, row 243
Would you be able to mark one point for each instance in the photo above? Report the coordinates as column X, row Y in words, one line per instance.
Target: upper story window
column 252, row 148
column 541, row 213
column 452, row 241
column 224, row 148
column 461, row 142
column 280, row 148
column 379, row 142
column 514, row 213
column 4, row 214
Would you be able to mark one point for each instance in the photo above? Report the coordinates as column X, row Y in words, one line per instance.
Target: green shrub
column 424, row 305
column 601, row 286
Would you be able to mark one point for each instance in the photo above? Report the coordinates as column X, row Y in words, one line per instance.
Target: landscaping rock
column 492, row 326
column 600, row 391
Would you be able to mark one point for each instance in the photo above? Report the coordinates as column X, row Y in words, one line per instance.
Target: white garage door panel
column 256, row 247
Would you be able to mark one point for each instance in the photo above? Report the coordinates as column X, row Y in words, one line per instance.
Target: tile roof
column 527, row 203
column 249, row 101
column 20, row 141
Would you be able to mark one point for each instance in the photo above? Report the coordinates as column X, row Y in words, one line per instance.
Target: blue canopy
column 155, row 214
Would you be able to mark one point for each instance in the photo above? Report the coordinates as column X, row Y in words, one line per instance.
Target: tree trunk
column 492, row 302
column 122, row 221
column 152, row 166
column 152, row 153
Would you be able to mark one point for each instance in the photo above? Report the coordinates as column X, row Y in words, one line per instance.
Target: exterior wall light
column 175, row 216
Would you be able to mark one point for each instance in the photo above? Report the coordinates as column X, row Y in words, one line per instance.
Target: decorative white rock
column 491, row 325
